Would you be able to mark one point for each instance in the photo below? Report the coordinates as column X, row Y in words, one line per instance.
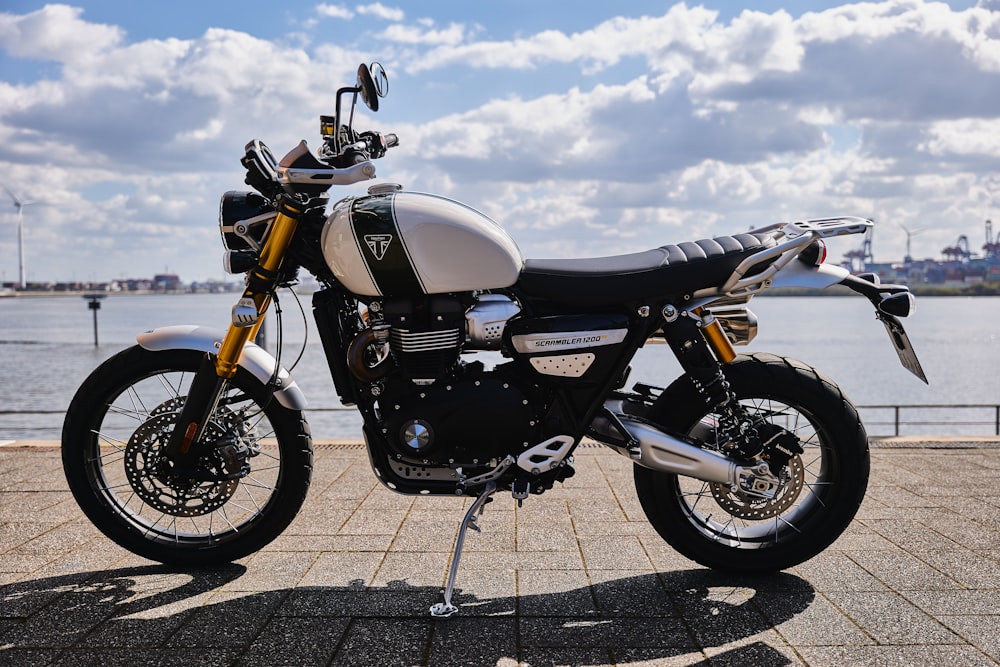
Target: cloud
column 334, row 11
column 378, row 10
column 967, row 136
column 452, row 35
column 57, row 33
column 630, row 133
column 600, row 47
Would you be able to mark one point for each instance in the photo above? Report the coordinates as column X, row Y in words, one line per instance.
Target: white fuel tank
column 405, row 244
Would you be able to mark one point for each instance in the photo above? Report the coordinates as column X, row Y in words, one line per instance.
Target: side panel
column 569, row 348
column 204, row 339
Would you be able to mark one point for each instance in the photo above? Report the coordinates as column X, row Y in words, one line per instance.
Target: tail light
column 814, row 254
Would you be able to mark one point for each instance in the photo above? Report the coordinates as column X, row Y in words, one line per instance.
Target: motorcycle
column 190, row 448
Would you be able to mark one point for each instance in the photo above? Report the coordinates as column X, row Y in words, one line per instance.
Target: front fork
column 248, row 316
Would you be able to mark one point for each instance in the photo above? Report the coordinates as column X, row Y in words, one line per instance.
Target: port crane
column 958, row 252
column 992, row 246
column 859, row 259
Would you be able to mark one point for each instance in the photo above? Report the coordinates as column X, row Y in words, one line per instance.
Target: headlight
column 244, row 218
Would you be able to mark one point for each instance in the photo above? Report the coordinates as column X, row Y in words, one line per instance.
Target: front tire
column 727, row 530
column 116, row 427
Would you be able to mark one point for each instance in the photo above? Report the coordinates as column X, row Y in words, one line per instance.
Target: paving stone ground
column 575, row 577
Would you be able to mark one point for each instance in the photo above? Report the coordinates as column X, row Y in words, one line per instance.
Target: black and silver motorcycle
column 191, row 448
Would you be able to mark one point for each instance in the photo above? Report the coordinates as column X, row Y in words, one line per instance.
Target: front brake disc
column 148, row 472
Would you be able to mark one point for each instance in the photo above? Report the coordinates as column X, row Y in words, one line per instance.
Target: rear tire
column 726, row 530
column 115, row 429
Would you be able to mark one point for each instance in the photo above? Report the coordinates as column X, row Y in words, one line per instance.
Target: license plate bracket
column 901, row 343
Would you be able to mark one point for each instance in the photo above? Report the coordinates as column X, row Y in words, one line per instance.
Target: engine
column 435, row 408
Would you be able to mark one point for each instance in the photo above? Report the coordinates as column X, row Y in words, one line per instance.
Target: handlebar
column 300, row 171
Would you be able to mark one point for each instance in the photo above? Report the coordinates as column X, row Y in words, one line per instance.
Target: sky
column 602, row 129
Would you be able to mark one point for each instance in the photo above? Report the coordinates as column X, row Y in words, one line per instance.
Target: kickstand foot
column 445, row 608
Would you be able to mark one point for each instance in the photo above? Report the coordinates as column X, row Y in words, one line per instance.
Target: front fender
column 205, row 339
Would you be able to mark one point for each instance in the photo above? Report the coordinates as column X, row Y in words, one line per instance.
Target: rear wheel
column 822, row 487
column 247, row 487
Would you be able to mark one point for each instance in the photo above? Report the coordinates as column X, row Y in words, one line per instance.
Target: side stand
column 446, row 608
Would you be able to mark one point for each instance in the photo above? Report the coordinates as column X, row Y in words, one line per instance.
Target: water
column 47, row 349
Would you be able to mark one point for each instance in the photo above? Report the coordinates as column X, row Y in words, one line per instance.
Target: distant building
column 166, row 282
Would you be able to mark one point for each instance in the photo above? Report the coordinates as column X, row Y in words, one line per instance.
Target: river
column 47, row 349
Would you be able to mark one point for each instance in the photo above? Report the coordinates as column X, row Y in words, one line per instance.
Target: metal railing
column 936, row 419
column 983, row 418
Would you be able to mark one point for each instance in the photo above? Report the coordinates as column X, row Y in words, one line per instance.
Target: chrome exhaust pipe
column 654, row 449
column 667, row 453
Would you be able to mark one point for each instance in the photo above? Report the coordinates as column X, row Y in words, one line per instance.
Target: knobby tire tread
column 133, row 364
column 762, row 375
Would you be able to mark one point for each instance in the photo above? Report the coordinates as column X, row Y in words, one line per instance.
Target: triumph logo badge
column 378, row 243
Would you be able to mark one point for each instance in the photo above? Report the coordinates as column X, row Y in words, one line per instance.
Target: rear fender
column 800, row 274
column 254, row 359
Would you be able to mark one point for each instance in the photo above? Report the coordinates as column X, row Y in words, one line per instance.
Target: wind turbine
column 909, row 234
column 19, row 204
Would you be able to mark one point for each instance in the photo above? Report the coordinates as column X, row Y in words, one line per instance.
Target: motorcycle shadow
column 160, row 615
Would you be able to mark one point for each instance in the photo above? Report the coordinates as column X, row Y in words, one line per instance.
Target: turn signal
column 239, row 261
column 899, row 304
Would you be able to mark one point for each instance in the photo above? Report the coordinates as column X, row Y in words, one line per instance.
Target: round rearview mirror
column 372, row 84
column 380, row 78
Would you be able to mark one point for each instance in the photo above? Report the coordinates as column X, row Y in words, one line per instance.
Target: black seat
column 669, row 269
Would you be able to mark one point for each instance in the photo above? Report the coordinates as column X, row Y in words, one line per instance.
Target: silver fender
column 800, row 274
column 205, row 339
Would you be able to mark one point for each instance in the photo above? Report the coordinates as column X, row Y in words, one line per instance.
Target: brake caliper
column 779, row 445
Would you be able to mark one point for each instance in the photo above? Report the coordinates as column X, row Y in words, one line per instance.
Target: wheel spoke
column 123, row 459
column 744, row 521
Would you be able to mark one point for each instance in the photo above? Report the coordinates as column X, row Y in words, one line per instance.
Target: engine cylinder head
column 426, row 335
column 486, row 321
column 425, row 355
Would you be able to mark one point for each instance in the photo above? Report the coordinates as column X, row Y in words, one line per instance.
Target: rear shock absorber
column 701, row 347
column 689, row 338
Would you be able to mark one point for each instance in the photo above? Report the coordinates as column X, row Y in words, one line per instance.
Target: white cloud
column 57, row 33
column 334, row 11
column 452, row 35
column 966, row 136
column 604, row 45
column 634, row 132
column 378, row 10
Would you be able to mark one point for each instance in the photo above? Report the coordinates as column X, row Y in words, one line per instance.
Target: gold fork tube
column 263, row 276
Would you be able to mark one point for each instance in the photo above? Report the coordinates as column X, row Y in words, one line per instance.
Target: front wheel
column 247, row 487
column 823, row 486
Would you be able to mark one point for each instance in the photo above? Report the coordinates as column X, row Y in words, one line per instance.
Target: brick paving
column 575, row 577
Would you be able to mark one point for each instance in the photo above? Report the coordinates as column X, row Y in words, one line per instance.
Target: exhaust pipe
column 667, row 453
column 654, row 449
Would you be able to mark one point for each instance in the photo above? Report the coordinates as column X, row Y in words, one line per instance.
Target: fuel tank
column 403, row 244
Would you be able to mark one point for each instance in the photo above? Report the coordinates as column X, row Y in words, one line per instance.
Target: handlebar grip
column 391, row 140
